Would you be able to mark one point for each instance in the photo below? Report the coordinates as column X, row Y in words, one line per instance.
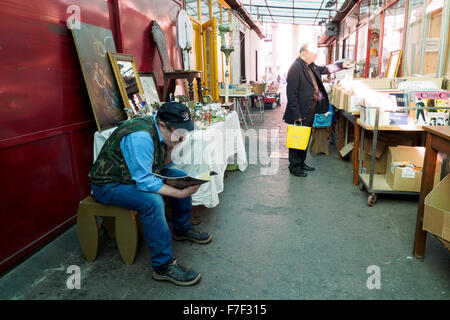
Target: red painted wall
column 46, row 121
column 134, row 24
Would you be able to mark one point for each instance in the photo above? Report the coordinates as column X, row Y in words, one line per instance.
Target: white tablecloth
column 211, row 149
column 100, row 139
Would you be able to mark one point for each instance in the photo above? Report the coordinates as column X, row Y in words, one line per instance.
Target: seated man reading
column 124, row 175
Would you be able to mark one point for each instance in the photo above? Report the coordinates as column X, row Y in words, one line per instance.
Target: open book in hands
column 187, row 181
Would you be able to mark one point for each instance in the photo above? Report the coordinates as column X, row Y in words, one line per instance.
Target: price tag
column 408, row 172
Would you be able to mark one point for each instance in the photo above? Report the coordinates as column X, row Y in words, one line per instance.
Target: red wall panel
column 41, row 83
column 82, row 145
column 37, row 191
column 134, row 24
column 46, row 121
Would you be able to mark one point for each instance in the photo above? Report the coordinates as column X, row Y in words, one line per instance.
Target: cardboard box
column 384, row 141
column 340, row 99
column 331, row 95
column 368, row 116
column 354, row 104
column 438, row 82
column 346, row 100
column 439, row 169
column 336, row 97
column 379, row 83
column 404, row 168
column 436, row 216
column 380, row 157
column 347, row 149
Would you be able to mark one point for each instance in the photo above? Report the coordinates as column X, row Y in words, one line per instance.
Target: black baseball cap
column 177, row 115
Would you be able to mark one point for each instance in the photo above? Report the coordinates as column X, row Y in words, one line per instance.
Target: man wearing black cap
column 124, row 175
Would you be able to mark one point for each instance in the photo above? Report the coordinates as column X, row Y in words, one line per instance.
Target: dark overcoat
column 300, row 91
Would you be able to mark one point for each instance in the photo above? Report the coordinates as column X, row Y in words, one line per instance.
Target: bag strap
column 301, row 123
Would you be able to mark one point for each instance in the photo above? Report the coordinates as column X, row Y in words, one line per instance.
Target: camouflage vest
column 110, row 165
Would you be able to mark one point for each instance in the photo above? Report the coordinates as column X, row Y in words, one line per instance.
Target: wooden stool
column 120, row 224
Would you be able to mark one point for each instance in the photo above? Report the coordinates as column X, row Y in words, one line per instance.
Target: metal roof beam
column 319, row 10
column 265, row 1
column 290, row 8
column 255, row 15
column 290, row 22
column 282, row 16
column 236, row 6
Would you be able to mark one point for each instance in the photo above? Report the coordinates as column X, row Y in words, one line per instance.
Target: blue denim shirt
column 138, row 151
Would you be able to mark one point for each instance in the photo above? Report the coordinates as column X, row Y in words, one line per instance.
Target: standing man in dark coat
column 306, row 96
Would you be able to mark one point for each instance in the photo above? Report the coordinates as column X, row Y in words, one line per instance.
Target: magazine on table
column 187, row 181
column 433, row 104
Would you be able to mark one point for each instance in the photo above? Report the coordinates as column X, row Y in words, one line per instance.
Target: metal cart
column 376, row 183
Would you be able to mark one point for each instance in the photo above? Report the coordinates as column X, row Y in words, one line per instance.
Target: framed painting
column 93, row 44
column 393, row 64
column 149, row 87
column 130, row 86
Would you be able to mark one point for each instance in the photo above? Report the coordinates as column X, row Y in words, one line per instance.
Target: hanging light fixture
column 330, row 3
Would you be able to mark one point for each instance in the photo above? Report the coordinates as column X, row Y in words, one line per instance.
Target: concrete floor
column 276, row 237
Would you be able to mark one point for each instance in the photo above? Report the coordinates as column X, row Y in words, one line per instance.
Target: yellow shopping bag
column 297, row 137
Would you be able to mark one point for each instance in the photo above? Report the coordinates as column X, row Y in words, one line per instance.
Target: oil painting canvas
column 92, row 44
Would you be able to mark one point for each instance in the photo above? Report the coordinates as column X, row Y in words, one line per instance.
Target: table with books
column 397, row 107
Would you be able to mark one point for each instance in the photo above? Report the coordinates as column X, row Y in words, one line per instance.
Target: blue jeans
column 151, row 208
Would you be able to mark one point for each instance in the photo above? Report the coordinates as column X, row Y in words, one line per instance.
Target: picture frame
column 149, row 86
column 92, row 44
column 393, row 64
column 128, row 80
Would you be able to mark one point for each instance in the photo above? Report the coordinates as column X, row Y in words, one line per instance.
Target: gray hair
column 308, row 46
column 304, row 47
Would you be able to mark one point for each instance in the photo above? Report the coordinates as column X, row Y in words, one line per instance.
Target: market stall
column 393, row 110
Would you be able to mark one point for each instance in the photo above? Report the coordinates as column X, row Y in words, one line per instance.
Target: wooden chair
column 120, row 224
column 170, row 75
